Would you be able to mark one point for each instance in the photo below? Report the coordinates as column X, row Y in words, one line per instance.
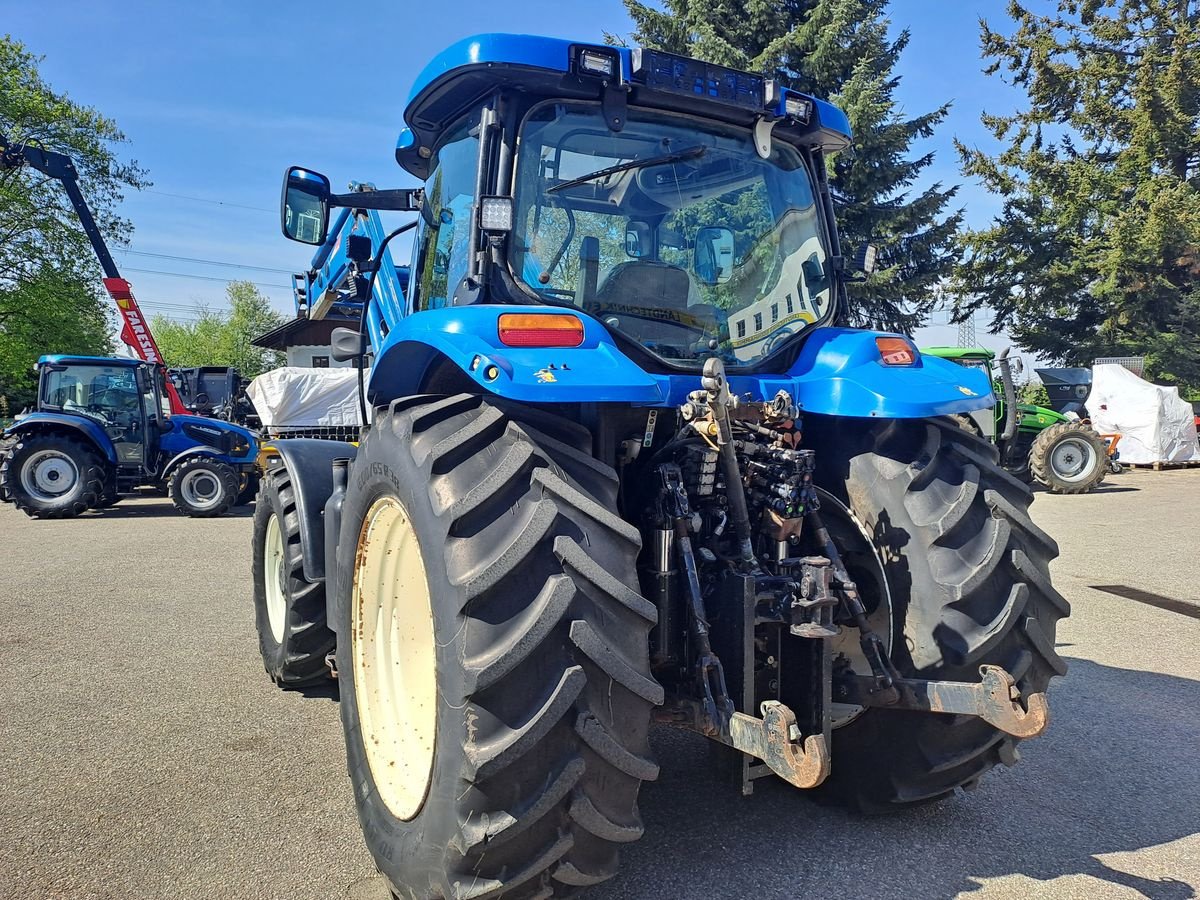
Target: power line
column 206, row 200
column 206, row 277
column 207, row 262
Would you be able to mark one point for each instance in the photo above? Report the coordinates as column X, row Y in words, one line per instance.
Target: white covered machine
column 1155, row 423
column 295, row 401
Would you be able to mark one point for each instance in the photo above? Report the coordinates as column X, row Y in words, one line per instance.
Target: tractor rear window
column 673, row 231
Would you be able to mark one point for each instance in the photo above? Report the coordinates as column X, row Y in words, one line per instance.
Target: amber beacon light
column 895, row 351
column 540, row 330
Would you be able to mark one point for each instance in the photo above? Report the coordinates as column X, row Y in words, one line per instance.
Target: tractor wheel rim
column 393, row 658
column 273, row 571
column 48, row 474
column 201, row 489
column 1072, row 459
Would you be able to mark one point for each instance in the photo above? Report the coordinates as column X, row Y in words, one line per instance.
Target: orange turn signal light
column 540, row 330
column 895, row 351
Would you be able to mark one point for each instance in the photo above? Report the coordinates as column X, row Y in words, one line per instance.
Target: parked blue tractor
column 624, row 464
column 101, row 429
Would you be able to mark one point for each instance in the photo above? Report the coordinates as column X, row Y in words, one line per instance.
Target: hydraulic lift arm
column 135, row 331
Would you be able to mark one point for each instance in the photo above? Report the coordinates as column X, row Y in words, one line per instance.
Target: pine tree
column 839, row 50
column 1096, row 251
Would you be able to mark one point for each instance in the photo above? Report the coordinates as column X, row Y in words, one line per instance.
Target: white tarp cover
column 1155, row 423
column 294, row 396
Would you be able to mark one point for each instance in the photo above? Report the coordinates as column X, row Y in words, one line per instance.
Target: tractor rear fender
column 77, row 426
column 310, row 463
column 839, row 371
column 469, row 336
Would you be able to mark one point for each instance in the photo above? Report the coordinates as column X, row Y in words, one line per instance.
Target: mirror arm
column 401, row 199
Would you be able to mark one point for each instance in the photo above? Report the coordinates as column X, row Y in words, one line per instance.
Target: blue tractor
column 625, row 464
column 102, row 428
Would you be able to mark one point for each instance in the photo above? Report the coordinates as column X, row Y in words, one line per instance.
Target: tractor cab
column 681, row 205
column 124, row 397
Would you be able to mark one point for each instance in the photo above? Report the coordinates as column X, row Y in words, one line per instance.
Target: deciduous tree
column 50, row 296
column 222, row 338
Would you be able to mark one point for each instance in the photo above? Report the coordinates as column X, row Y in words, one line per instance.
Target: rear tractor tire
column 203, row 488
column 967, row 571
column 289, row 610
column 493, row 653
column 52, row 476
column 1069, row 458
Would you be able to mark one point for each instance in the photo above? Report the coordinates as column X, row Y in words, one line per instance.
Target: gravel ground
column 145, row 754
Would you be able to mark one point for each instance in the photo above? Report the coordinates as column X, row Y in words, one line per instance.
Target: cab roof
column 467, row 71
column 63, row 359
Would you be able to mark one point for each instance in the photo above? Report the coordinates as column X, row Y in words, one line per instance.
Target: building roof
column 303, row 332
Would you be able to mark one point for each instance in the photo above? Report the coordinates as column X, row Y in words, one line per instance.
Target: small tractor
column 102, row 428
column 626, row 466
column 1059, row 450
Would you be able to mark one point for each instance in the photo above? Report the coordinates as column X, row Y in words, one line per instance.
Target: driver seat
column 652, row 295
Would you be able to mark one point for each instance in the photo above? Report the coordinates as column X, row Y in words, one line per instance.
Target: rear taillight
column 540, row 330
column 896, row 351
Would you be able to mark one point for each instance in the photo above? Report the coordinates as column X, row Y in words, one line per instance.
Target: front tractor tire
column 968, row 574
column 493, row 653
column 203, row 488
column 1069, row 458
column 52, row 476
column 289, row 610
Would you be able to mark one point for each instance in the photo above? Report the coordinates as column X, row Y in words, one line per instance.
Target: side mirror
column 639, row 241
column 712, row 259
column 344, row 344
column 304, row 214
column 865, row 258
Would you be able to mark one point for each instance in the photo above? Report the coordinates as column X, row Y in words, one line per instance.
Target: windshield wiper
column 677, row 156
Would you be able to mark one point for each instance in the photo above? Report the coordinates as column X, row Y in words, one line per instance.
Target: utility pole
column 966, row 331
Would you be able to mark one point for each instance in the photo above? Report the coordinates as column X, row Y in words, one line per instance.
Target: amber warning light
column 894, row 351
column 540, row 330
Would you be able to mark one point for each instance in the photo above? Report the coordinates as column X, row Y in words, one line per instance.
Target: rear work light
column 540, row 330
column 896, row 351
column 597, row 62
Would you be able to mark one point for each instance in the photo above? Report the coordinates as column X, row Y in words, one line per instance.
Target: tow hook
column 775, row 739
column 995, row 699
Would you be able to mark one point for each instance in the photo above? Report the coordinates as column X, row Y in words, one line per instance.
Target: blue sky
column 217, row 98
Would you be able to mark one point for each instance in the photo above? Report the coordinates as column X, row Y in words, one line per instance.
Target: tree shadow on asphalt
column 1116, row 772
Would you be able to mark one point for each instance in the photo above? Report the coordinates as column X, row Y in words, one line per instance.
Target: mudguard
column 596, row 371
column 839, row 371
column 309, row 461
column 173, row 463
column 90, row 429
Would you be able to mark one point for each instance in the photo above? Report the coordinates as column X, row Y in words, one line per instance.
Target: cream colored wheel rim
column 392, row 648
column 273, row 574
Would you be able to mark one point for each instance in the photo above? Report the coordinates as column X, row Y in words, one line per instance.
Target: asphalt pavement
column 144, row 754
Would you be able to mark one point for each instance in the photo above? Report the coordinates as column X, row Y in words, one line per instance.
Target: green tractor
column 1062, row 452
